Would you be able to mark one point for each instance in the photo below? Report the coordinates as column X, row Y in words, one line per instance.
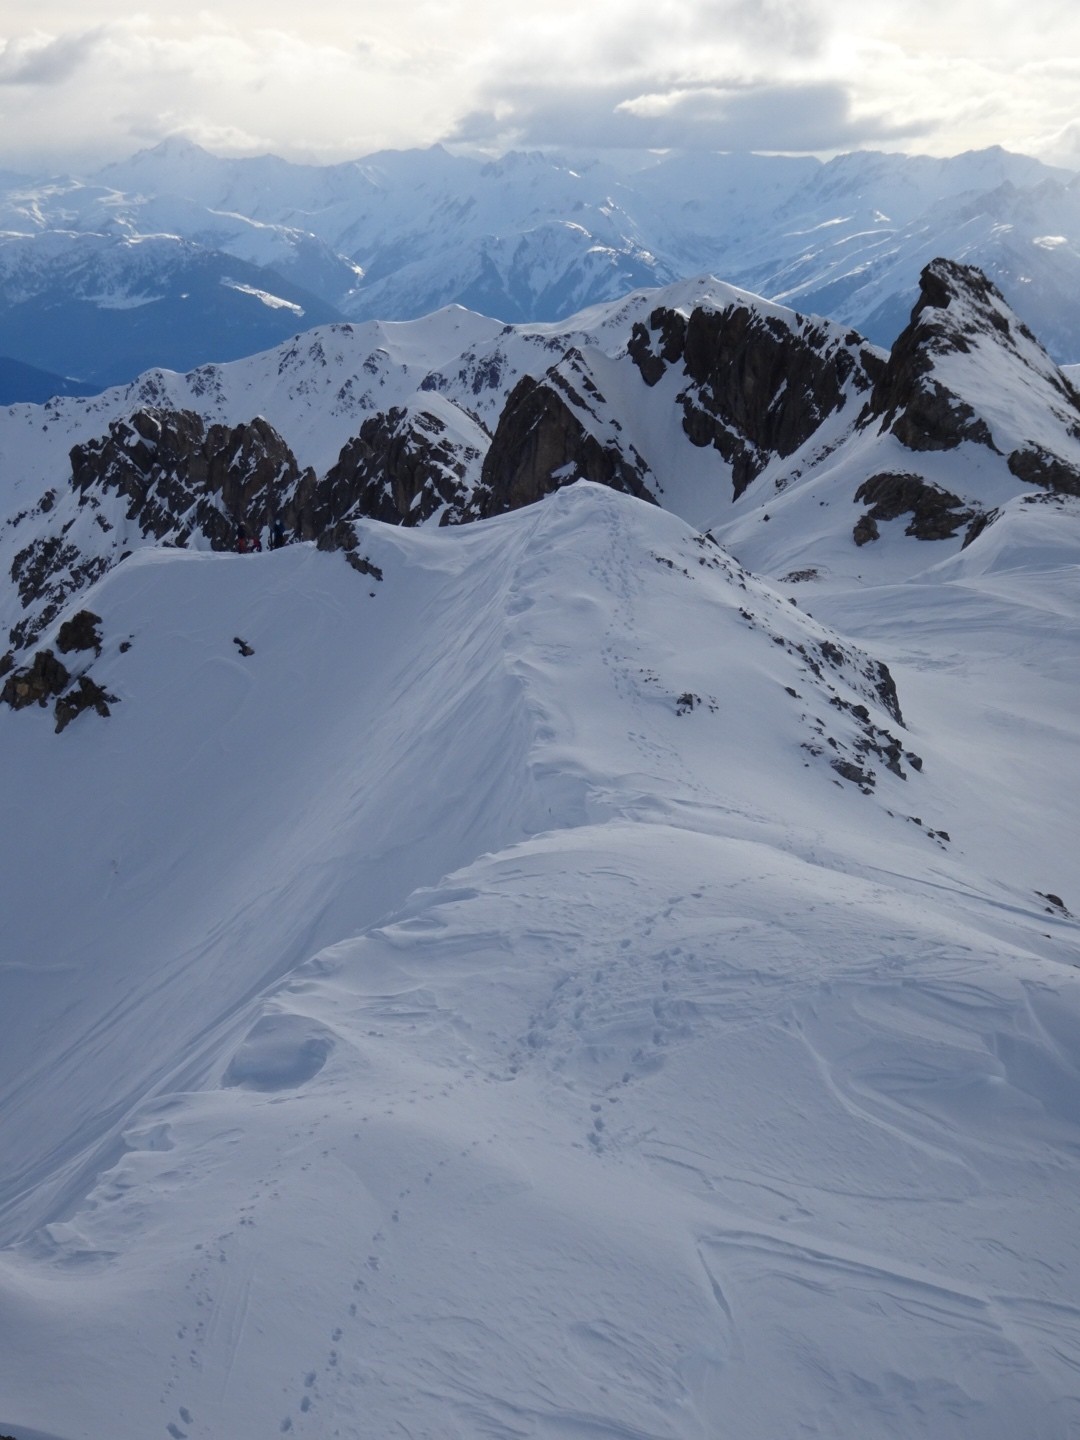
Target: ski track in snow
column 523, row 1058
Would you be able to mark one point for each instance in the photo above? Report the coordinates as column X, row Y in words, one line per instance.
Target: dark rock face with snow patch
column 958, row 313
column 541, row 444
column 37, row 683
column 48, row 679
column 176, row 479
column 935, row 513
column 759, row 385
column 181, row 477
column 1037, row 466
column 402, row 468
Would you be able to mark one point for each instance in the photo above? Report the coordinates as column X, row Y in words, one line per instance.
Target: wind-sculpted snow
column 533, row 978
column 477, row 1002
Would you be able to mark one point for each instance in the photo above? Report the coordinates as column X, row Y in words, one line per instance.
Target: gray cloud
column 33, row 61
column 792, row 25
column 795, row 117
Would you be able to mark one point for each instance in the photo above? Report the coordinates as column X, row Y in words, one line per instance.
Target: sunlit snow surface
column 419, row 1027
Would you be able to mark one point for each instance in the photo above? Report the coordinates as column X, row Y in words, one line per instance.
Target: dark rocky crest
column 178, row 479
column 542, row 443
column 402, row 468
column 181, row 477
column 758, row 385
column 958, row 311
column 747, row 381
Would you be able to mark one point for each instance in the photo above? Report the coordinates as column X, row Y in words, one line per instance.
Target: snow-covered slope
column 535, row 977
column 487, row 1007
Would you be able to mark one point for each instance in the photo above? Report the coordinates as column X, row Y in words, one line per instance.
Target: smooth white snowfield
column 419, row 1027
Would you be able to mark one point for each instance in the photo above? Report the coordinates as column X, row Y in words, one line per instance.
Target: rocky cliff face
column 551, row 433
column 182, row 478
column 758, row 385
column 936, row 514
column 402, row 468
column 938, row 388
column 157, row 475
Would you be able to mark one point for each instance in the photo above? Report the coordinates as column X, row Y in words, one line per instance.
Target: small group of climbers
column 247, row 544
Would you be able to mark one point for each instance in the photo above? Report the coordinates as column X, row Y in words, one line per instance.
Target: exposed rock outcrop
column 178, row 480
column 342, row 536
column 85, row 694
column 181, row 477
column 1037, row 466
column 48, row 679
column 36, row 683
column 81, row 632
column 960, row 313
column 403, row 467
column 759, row 385
column 541, row 444
column 47, row 572
column 935, row 513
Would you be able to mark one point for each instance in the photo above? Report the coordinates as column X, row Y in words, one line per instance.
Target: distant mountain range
column 177, row 258
column 21, row 382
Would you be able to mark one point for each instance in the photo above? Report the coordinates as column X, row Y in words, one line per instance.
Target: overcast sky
column 87, row 80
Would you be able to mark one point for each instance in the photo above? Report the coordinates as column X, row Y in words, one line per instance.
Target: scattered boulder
column 1054, row 902
column 45, row 677
column 865, row 530
column 80, row 633
column 86, row 694
column 865, row 779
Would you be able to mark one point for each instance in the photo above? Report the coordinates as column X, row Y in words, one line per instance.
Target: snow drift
column 488, row 1007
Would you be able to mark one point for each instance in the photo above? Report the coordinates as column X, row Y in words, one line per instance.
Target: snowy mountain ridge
column 718, row 405
column 532, row 976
